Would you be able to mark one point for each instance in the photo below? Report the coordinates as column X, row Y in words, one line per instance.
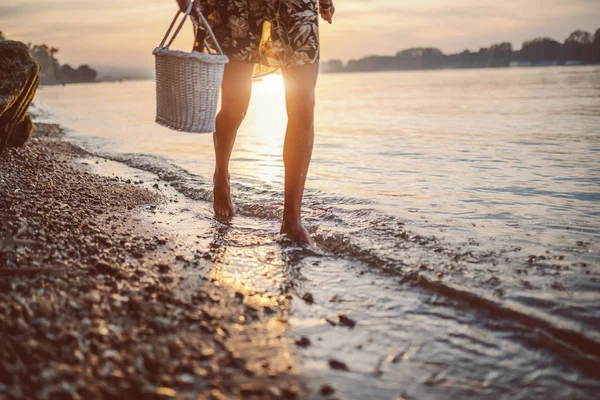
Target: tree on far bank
column 45, row 56
column 501, row 50
column 541, row 50
column 66, row 74
column 86, row 74
column 577, row 47
column 596, row 47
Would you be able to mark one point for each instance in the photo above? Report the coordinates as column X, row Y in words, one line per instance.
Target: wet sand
column 93, row 301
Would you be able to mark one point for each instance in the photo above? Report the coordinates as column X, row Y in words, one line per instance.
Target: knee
column 231, row 116
column 301, row 108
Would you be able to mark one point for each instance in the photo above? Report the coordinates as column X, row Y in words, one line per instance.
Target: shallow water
column 460, row 210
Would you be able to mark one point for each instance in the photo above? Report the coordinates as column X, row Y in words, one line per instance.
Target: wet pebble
column 337, row 365
column 291, row 392
column 327, row 390
column 344, row 320
column 302, row 341
column 308, row 298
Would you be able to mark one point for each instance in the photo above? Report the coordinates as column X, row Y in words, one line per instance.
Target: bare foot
column 222, row 197
column 297, row 234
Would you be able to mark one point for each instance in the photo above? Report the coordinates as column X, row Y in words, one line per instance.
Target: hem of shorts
column 270, row 69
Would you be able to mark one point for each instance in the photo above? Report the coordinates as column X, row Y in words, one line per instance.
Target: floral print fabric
column 270, row 33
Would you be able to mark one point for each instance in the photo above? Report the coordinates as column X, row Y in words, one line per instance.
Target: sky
column 124, row 33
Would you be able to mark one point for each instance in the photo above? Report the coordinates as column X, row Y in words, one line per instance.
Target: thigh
column 237, row 85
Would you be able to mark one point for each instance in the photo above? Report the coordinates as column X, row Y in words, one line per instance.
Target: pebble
column 302, row 341
column 93, row 297
column 327, row 390
column 106, row 268
column 163, row 268
column 166, row 392
column 308, row 298
column 338, row 365
column 344, row 320
column 275, row 391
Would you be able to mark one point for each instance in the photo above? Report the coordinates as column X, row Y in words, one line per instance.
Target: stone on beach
column 19, row 79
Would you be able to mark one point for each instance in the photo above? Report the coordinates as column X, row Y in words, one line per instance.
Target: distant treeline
column 579, row 48
column 52, row 73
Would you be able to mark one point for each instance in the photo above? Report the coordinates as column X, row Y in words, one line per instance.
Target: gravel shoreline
column 89, row 302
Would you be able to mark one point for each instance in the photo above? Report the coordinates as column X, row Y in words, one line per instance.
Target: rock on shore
column 19, row 79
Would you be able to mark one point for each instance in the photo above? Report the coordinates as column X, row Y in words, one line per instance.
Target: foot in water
column 222, row 204
column 297, row 234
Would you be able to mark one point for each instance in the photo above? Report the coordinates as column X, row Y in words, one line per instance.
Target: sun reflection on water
column 263, row 131
column 254, row 271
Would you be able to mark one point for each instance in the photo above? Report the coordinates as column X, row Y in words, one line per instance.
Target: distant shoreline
column 461, row 68
column 354, row 72
column 579, row 48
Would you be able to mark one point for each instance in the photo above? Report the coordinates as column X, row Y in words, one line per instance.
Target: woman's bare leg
column 300, row 85
column 235, row 96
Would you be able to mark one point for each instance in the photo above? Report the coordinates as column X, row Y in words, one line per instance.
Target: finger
column 331, row 12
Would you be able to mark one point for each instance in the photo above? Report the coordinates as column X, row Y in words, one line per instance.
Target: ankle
column 291, row 221
column 221, row 174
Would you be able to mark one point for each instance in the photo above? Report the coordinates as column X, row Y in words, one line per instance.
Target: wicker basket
column 188, row 84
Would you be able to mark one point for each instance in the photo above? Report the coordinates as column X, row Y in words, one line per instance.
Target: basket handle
column 210, row 32
column 187, row 14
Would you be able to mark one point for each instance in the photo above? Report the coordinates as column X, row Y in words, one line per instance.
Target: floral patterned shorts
column 270, row 33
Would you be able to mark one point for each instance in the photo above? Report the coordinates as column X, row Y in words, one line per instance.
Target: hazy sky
column 121, row 32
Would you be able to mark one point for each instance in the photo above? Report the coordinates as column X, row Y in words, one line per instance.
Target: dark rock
column 19, row 79
column 308, row 298
column 21, row 132
column 291, row 392
column 339, row 365
column 343, row 320
column 302, row 341
column 106, row 268
column 163, row 268
column 327, row 390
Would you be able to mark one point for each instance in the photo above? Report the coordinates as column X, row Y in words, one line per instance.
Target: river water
column 460, row 211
